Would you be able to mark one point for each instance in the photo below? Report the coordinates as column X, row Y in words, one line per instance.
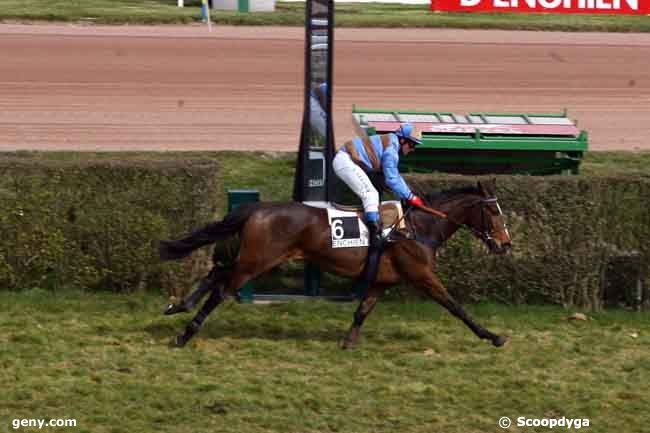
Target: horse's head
column 485, row 218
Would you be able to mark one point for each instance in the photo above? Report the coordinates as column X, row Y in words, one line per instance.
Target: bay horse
column 272, row 233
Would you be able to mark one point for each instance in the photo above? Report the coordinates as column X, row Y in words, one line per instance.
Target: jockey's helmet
column 323, row 88
column 410, row 133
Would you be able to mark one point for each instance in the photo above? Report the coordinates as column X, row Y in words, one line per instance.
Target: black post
column 313, row 180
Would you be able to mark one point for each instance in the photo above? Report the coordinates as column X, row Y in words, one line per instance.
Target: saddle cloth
column 390, row 212
column 348, row 229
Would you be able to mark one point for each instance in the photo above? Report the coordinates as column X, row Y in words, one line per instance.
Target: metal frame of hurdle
column 484, row 143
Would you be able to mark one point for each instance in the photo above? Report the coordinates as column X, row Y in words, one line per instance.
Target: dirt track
column 180, row 88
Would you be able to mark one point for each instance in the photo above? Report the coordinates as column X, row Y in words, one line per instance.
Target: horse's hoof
column 179, row 341
column 348, row 345
column 175, row 308
column 499, row 341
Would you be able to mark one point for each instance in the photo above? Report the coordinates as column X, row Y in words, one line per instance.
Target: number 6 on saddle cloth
column 348, row 229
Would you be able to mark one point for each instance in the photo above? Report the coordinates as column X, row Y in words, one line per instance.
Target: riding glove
column 416, row 201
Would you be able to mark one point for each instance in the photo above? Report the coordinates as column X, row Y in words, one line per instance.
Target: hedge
column 566, row 232
column 93, row 221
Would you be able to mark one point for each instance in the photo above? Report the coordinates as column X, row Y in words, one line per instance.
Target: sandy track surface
column 180, row 88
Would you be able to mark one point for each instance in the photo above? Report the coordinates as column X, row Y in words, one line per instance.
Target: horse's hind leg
column 216, row 297
column 244, row 272
column 437, row 291
column 187, row 304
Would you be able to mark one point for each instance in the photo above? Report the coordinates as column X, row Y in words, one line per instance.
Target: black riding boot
column 375, row 243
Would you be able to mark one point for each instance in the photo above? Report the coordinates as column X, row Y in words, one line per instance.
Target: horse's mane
column 449, row 194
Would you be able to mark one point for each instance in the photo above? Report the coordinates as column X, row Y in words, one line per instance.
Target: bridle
column 484, row 234
column 486, row 222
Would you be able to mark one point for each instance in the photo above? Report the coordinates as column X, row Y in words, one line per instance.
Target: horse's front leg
column 434, row 288
column 365, row 307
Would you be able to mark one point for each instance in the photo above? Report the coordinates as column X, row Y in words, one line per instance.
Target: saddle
column 390, row 213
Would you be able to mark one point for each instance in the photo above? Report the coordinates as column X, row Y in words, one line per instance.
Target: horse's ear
column 486, row 188
column 490, row 187
column 480, row 187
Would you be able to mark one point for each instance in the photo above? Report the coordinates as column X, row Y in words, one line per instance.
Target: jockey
column 317, row 104
column 377, row 153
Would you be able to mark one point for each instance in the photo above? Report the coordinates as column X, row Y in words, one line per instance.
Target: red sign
column 633, row 7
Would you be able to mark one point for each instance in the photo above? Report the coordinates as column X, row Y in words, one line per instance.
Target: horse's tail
column 228, row 226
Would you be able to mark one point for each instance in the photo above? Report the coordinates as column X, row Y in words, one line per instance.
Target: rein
column 434, row 212
column 485, row 234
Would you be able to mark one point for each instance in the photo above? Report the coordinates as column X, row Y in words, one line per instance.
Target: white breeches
column 357, row 180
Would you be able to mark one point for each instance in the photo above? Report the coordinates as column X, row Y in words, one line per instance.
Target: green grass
column 632, row 163
column 98, row 11
column 104, row 360
column 270, row 173
column 292, row 14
